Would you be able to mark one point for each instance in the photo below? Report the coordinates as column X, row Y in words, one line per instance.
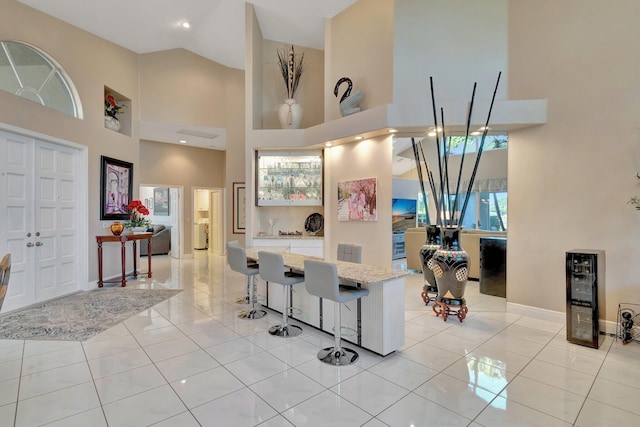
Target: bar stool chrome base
column 285, row 330
column 251, row 314
column 341, row 357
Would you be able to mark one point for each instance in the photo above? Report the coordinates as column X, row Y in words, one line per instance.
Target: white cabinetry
column 302, row 246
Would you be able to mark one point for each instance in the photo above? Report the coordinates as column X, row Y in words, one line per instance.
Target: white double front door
column 39, row 187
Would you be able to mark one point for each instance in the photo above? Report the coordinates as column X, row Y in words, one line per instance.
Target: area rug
column 79, row 316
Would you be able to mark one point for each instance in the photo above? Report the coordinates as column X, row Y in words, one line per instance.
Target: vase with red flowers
column 138, row 222
column 111, row 109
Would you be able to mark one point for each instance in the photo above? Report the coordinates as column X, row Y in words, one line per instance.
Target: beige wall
column 174, row 86
column 92, row 63
column 174, row 165
column 359, row 45
column 366, row 159
column 570, row 180
column 455, row 42
column 236, row 142
column 178, row 86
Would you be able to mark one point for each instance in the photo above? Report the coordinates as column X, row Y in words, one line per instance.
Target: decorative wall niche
column 117, row 111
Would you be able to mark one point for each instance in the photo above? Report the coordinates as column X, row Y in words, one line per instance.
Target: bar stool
column 272, row 270
column 237, row 258
column 245, row 299
column 321, row 279
column 350, row 252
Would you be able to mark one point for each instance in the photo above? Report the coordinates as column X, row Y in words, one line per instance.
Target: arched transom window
column 29, row 72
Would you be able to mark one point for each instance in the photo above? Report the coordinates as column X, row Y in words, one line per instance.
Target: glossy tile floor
column 190, row 362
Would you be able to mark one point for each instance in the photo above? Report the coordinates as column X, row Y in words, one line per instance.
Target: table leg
column 135, row 259
column 149, row 257
column 123, row 256
column 100, row 264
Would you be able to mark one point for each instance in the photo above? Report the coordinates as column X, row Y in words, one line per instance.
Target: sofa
column 414, row 239
column 160, row 241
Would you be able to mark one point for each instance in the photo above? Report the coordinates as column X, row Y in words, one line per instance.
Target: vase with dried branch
column 291, row 65
column 448, row 264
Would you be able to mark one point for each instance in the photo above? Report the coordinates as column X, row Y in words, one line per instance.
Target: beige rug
column 79, row 316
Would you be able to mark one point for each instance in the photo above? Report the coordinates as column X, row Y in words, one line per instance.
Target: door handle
column 39, row 243
column 29, row 245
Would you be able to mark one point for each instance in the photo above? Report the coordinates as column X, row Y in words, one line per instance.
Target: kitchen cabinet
column 289, row 178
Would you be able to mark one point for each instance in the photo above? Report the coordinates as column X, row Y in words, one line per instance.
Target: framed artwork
column 357, row 200
column 239, row 207
column 116, row 188
column 161, row 201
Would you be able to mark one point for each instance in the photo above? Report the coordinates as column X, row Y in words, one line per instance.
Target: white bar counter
column 379, row 316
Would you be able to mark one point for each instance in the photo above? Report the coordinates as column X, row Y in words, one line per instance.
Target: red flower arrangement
column 111, row 107
column 136, row 212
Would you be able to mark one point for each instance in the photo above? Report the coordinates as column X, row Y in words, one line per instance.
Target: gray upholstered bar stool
column 245, row 299
column 350, row 252
column 237, row 258
column 321, row 279
column 272, row 270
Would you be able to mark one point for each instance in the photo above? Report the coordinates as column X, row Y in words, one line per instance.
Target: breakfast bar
column 378, row 318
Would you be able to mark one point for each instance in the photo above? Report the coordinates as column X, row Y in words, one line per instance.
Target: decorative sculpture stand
column 429, row 294
column 443, row 306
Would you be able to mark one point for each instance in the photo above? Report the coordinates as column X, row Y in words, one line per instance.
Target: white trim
column 42, row 136
column 83, row 189
column 536, row 313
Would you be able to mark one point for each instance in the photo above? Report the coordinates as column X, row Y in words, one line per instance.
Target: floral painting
column 357, row 200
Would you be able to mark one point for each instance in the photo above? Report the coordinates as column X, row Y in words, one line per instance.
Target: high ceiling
column 217, row 32
column 217, row 26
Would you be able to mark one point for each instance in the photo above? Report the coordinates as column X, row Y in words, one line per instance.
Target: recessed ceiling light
column 432, row 133
column 476, row 133
column 185, row 24
column 182, row 141
column 328, row 144
column 483, row 128
column 393, row 130
column 358, row 137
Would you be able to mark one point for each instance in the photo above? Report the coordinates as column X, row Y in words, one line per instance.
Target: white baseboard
column 606, row 326
column 536, row 313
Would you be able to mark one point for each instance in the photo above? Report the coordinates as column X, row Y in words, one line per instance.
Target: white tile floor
column 190, row 362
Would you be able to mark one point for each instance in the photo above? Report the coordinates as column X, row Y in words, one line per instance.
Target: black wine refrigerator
column 585, row 271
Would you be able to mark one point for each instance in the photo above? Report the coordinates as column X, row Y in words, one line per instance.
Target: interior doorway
column 166, row 208
column 208, row 220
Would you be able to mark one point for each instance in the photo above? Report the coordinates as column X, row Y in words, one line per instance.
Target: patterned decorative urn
column 451, row 270
column 432, row 244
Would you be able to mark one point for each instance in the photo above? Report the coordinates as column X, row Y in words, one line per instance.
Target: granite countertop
column 361, row 273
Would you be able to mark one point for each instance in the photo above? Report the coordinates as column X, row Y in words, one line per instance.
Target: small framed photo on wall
column 161, row 201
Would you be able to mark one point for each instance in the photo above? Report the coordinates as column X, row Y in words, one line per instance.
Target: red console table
column 123, row 239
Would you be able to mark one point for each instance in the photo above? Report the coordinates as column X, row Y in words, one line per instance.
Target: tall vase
column 451, row 270
column 427, row 251
column 290, row 114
